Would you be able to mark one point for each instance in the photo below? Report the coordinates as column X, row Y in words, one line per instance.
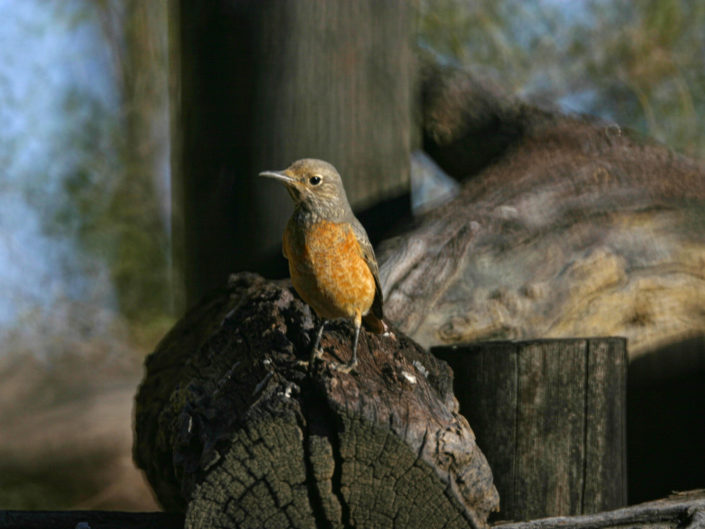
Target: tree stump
column 231, row 428
column 551, row 418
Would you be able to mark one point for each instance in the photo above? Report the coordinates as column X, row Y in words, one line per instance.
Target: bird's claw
column 345, row 368
column 316, row 354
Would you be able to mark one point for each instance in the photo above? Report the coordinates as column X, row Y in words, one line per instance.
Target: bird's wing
column 285, row 243
column 368, row 254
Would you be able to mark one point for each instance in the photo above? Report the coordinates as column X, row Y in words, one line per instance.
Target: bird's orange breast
column 327, row 268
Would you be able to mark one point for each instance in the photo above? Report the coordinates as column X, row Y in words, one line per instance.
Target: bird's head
column 315, row 186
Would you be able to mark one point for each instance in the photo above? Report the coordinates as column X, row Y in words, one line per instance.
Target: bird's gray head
column 315, row 186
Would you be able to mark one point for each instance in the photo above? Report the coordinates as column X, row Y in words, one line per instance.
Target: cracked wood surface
column 231, row 429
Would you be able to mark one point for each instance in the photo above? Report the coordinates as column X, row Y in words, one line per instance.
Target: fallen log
column 233, row 430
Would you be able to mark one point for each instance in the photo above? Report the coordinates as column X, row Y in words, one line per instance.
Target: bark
column 564, row 226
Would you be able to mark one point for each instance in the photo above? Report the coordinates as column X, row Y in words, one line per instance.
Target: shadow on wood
column 550, row 416
column 233, row 430
column 666, row 420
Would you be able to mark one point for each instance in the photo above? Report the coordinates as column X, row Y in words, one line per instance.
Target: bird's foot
column 316, row 354
column 345, row 368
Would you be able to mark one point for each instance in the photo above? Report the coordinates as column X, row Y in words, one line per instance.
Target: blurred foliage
column 639, row 64
column 88, row 163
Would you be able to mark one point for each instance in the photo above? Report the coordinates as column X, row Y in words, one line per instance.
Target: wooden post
column 550, row 417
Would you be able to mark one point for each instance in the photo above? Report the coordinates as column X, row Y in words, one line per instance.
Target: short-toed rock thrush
column 331, row 261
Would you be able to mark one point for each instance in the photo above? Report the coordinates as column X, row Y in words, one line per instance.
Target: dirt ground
column 66, row 435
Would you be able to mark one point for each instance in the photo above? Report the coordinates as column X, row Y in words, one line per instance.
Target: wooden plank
column 550, row 423
column 605, row 436
column 682, row 510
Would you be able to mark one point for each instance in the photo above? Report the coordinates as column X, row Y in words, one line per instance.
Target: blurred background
column 90, row 273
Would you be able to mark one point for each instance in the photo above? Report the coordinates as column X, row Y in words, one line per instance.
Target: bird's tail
column 376, row 325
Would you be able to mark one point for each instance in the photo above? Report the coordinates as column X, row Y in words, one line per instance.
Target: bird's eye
column 315, row 180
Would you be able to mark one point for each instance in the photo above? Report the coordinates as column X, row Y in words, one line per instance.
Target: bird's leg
column 353, row 361
column 316, row 352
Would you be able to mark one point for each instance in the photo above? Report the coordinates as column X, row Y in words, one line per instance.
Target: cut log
column 233, row 430
column 551, row 417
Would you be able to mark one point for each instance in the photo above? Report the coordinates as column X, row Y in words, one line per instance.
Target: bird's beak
column 279, row 175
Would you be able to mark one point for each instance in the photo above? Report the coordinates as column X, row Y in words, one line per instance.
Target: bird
column 331, row 261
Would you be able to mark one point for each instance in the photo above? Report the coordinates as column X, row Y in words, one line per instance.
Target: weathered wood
column 681, row 511
column 550, row 416
column 230, row 428
column 89, row 520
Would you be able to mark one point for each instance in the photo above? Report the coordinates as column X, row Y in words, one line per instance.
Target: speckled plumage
column 331, row 261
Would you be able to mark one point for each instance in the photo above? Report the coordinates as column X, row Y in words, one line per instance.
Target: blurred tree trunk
column 258, row 84
column 137, row 211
